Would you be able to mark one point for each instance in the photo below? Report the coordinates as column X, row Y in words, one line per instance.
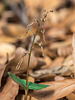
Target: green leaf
column 21, row 82
column 31, row 85
column 35, row 86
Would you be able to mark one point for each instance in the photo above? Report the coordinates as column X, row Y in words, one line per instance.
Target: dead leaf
column 52, row 71
column 56, row 90
column 11, row 66
column 45, row 78
column 31, row 79
column 1, row 7
column 2, row 68
column 56, row 32
column 50, row 53
column 34, row 6
column 57, row 62
column 64, row 51
column 6, row 48
column 59, row 78
column 46, row 60
column 68, row 62
column 71, row 96
column 13, row 30
column 8, row 39
column 10, row 90
column 57, row 45
column 73, row 27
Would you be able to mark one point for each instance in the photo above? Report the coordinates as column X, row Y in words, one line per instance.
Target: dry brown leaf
column 73, row 27
column 2, row 68
column 50, row 71
column 8, row 39
column 33, row 6
column 50, row 53
column 14, row 30
column 68, row 62
column 56, row 90
column 50, row 4
column 7, row 14
column 2, row 24
column 56, row 32
column 10, row 90
column 69, row 19
column 45, row 78
column 1, row 7
column 57, row 62
column 59, row 78
column 47, row 62
column 18, row 57
column 71, row 96
column 64, row 15
column 57, row 45
column 6, row 48
column 60, row 18
column 64, row 51
column 31, row 79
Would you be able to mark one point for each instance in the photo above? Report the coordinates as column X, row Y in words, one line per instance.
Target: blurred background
column 16, row 15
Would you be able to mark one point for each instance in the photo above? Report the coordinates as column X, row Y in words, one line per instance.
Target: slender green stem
column 31, row 48
column 26, row 90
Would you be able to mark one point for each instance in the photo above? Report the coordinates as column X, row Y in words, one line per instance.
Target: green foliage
column 31, row 85
column 21, row 82
column 35, row 86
